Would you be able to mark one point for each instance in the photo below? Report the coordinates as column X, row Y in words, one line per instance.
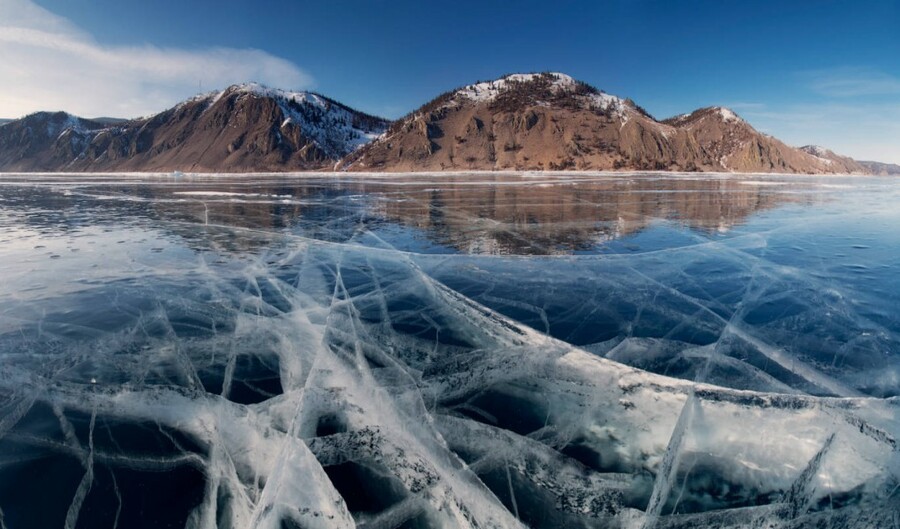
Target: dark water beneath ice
column 282, row 351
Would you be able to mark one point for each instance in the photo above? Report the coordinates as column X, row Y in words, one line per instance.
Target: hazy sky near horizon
column 823, row 72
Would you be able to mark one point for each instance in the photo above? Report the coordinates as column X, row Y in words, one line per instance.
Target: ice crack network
column 281, row 356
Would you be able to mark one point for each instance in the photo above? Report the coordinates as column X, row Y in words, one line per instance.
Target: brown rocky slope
column 44, row 141
column 243, row 128
column 549, row 121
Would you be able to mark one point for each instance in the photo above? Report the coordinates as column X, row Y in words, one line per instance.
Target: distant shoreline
column 394, row 174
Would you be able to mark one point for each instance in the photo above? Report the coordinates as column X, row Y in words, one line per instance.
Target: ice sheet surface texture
column 284, row 352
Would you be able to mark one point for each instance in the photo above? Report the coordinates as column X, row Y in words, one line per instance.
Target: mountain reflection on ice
column 454, row 351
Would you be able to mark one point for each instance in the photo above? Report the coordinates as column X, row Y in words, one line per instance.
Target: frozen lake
column 479, row 350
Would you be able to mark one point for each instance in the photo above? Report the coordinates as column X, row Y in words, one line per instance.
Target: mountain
column 552, row 121
column 728, row 143
column 882, row 169
column 842, row 163
column 536, row 121
column 242, row 128
column 45, row 141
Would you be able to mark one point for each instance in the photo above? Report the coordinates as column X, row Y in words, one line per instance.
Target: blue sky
column 823, row 71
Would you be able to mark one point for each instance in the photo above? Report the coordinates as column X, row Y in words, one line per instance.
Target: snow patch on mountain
column 728, row 115
column 722, row 113
column 58, row 123
column 337, row 129
column 824, row 155
column 817, row 150
column 488, row 91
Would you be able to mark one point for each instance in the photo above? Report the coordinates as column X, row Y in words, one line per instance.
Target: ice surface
column 486, row 351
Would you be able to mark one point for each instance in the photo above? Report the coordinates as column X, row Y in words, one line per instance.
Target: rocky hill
column 843, row 164
column 242, row 128
column 543, row 121
column 882, row 169
column 45, row 141
column 550, row 121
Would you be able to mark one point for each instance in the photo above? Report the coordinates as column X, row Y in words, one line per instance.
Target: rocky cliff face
column 243, row 128
column 550, row 121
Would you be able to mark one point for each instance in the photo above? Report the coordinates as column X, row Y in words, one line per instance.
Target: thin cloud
column 852, row 82
column 50, row 64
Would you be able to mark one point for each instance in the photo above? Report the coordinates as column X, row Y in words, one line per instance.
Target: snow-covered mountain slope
column 245, row 127
column 337, row 129
column 554, row 85
column 44, row 141
column 719, row 113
